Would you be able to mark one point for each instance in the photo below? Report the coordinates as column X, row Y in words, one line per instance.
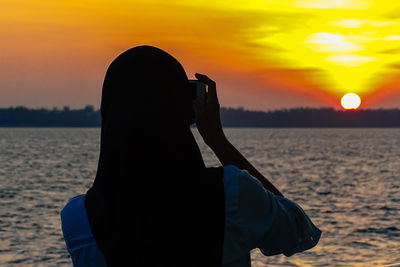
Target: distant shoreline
column 88, row 117
column 225, row 127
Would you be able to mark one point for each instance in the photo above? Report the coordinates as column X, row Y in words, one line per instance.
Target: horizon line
column 92, row 107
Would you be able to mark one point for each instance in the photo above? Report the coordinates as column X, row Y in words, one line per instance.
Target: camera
column 198, row 91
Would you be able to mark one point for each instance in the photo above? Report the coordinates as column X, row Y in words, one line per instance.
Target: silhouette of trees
column 311, row 117
column 231, row 117
column 22, row 116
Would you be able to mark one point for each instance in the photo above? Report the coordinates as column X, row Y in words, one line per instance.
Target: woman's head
column 148, row 87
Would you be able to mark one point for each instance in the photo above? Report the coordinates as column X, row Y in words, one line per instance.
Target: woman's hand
column 207, row 116
column 208, row 121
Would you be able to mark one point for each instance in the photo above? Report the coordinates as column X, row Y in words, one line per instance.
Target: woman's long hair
column 153, row 201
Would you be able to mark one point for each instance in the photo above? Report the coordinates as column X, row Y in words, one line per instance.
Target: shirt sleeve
column 274, row 224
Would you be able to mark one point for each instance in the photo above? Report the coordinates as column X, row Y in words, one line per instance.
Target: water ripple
column 347, row 180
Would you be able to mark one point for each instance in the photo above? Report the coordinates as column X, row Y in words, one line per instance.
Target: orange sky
column 263, row 54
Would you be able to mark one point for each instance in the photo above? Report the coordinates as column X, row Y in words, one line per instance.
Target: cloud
column 394, row 66
column 390, row 51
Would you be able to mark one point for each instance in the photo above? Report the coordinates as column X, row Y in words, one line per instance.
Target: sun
column 350, row 101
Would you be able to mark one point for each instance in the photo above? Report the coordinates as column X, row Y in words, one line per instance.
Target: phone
column 198, row 91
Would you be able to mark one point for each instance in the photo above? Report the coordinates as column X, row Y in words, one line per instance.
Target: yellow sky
column 265, row 53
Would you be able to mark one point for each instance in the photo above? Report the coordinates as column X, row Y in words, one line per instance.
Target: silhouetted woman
column 153, row 201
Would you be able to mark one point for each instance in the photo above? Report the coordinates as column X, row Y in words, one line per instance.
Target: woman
column 153, row 201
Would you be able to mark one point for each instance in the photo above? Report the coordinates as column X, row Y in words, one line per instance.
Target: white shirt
column 255, row 218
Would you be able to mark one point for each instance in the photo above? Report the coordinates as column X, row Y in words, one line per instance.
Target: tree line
column 230, row 117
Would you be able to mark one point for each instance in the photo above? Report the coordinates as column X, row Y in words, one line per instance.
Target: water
column 347, row 180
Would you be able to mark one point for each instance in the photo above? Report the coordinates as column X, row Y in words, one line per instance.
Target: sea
column 347, row 180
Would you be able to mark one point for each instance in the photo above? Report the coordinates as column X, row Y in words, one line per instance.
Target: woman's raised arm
column 208, row 122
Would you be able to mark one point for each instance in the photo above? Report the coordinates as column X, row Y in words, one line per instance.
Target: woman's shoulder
column 234, row 175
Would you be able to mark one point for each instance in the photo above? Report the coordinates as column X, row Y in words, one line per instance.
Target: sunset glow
column 264, row 54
